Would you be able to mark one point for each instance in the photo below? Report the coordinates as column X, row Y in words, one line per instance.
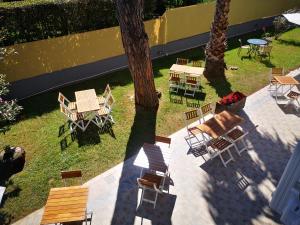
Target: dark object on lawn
column 12, row 161
column 158, row 94
column 233, row 102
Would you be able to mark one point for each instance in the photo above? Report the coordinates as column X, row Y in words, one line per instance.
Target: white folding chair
column 193, row 132
column 220, row 146
column 174, row 82
column 181, row 61
column 66, row 102
column 208, row 109
column 150, row 182
column 238, row 135
column 104, row 113
column 76, row 119
column 106, row 93
column 273, row 81
column 294, row 97
column 191, row 84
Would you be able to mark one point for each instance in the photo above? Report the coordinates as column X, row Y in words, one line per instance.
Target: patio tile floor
column 202, row 191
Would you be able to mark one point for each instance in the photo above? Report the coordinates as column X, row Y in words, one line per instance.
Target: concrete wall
column 47, row 64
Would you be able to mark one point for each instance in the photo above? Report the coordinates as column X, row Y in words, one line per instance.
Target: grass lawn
column 48, row 151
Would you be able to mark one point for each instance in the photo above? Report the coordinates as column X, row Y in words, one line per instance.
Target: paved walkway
column 201, row 191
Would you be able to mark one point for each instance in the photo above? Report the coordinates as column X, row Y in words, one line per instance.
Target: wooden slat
column 286, row 80
column 65, row 204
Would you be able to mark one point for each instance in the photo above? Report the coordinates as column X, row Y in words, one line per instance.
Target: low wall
column 47, row 64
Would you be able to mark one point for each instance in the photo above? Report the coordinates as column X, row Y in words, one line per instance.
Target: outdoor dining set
column 256, row 47
column 185, row 77
column 288, row 86
column 88, row 108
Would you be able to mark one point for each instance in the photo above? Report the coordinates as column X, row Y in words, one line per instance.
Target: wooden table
column 153, row 157
column 86, row 101
column 66, row 204
column 285, row 80
column 220, row 124
column 187, row 69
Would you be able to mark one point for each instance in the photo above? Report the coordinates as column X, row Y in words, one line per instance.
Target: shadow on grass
column 142, row 130
column 289, row 42
column 238, row 187
column 221, row 85
column 12, row 191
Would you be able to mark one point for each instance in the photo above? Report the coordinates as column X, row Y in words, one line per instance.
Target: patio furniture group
column 88, row 108
column 184, row 77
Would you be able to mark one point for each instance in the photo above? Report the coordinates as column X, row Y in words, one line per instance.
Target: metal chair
column 191, row 85
column 103, row 97
column 238, row 135
column 75, row 119
column 66, row 102
column 293, row 96
column 71, row 174
column 197, row 63
column 207, row 110
column 243, row 47
column 162, row 139
column 174, row 82
column 275, row 72
column 193, row 132
column 219, row 147
column 152, row 183
column 265, row 51
column 181, row 61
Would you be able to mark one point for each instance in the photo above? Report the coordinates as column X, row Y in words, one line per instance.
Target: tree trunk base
column 214, row 69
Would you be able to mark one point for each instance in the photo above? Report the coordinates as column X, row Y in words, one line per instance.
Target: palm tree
column 214, row 67
column 135, row 43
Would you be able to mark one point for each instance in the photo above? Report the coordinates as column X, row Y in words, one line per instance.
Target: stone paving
column 202, row 191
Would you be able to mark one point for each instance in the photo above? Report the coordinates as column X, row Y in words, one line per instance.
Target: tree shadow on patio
column 142, row 130
column 244, row 187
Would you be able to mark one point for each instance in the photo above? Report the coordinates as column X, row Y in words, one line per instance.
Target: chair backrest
column 240, row 41
column 207, row 109
column 65, row 111
column 190, row 79
column 110, row 101
column 63, row 100
column 192, row 114
column 265, row 49
column 107, row 91
column 181, row 61
column 174, row 77
column 277, row 71
column 197, row 63
column 162, row 139
column 71, row 174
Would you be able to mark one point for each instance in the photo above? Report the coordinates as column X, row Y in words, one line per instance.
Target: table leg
column 276, row 89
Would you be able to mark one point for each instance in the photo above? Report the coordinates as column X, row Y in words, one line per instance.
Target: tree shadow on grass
column 289, row 42
column 220, row 84
column 142, row 130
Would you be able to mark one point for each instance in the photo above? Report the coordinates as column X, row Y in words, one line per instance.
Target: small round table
column 255, row 43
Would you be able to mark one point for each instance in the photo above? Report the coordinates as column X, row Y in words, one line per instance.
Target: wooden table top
column 65, row 204
column 187, row 69
column 220, row 124
column 86, row 101
column 154, row 157
column 286, row 80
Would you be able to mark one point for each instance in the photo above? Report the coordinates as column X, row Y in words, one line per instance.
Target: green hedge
column 31, row 20
column 50, row 19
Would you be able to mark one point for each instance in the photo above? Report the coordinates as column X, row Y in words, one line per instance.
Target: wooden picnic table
column 66, row 204
column 220, row 124
column 86, row 101
column 285, row 80
column 154, row 157
column 187, row 69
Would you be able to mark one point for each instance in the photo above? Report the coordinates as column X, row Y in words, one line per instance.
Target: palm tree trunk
column 135, row 43
column 215, row 65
